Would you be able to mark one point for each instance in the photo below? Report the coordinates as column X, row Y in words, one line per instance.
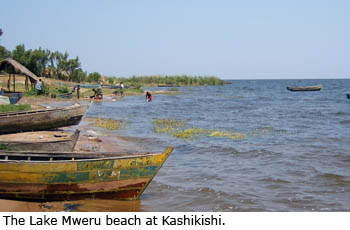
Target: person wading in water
column 148, row 97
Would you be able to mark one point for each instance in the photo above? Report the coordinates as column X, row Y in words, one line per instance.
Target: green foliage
column 4, row 53
column 62, row 89
column 94, row 77
column 78, row 75
column 179, row 80
column 14, row 108
column 110, row 80
column 30, row 93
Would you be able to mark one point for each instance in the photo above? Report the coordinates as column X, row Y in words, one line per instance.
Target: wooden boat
column 40, row 141
column 305, row 88
column 66, row 95
column 13, row 97
column 43, row 119
column 72, row 176
column 4, row 100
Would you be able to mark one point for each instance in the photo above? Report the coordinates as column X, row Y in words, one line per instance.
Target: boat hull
column 121, row 178
column 38, row 120
column 52, row 144
column 306, row 88
column 13, row 97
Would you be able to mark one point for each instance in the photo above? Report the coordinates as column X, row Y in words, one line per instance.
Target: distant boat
column 59, row 176
column 13, row 97
column 305, row 88
column 40, row 141
column 43, row 119
column 348, row 95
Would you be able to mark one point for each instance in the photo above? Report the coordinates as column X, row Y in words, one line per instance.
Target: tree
column 78, row 75
column 94, row 77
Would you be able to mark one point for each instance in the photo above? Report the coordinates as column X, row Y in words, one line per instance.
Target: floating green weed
column 189, row 133
column 176, row 128
column 167, row 126
column 231, row 135
column 107, row 123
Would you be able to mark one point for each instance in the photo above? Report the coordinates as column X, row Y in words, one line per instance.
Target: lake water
column 256, row 146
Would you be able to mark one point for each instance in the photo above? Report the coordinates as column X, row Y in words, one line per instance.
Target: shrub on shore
column 14, row 108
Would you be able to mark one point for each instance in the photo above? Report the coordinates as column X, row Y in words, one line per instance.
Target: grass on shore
column 14, row 108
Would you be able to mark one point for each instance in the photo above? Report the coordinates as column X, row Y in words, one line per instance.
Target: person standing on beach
column 38, row 87
column 121, row 89
column 78, row 91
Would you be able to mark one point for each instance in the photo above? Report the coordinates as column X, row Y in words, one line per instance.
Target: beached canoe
column 44, row 119
column 40, row 141
column 4, row 100
column 305, row 88
column 74, row 176
column 13, row 97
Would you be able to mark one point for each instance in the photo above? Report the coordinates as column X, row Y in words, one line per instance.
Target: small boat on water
column 305, row 88
column 43, row 119
column 72, row 176
column 13, row 97
column 39, row 141
column 348, row 95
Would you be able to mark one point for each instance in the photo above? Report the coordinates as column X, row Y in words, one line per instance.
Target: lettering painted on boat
column 105, row 164
column 138, row 172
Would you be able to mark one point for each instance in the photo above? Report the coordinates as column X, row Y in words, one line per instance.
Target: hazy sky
column 229, row 39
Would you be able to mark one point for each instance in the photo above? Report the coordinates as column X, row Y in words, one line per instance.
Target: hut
column 13, row 67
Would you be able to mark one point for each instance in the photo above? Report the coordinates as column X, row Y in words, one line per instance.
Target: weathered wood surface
column 305, row 88
column 37, row 120
column 40, row 141
column 123, row 176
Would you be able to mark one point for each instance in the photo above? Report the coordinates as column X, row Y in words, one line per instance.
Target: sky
column 247, row 39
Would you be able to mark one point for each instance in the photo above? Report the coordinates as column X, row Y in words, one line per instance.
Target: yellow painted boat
column 73, row 176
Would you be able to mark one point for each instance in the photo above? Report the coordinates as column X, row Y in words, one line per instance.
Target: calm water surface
column 294, row 154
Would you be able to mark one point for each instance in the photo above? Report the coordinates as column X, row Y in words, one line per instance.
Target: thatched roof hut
column 13, row 67
column 17, row 68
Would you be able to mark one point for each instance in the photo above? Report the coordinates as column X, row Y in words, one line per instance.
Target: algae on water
column 176, row 128
column 108, row 123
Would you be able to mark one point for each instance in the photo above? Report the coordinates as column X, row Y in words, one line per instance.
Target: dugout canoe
column 44, row 119
column 14, row 97
column 58, row 141
column 305, row 88
column 73, row 176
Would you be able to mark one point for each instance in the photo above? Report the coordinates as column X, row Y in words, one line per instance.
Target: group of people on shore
column 97, row 91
